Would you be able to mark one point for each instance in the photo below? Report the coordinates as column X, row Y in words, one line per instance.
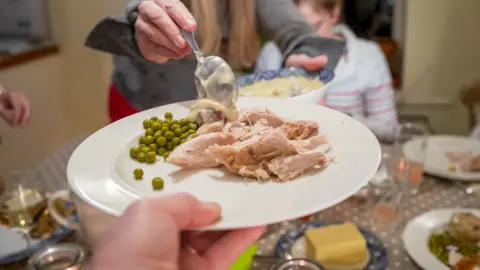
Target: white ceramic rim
column 116, row 199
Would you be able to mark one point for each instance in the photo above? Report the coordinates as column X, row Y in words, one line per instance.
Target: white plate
column 100, row 170
column 436, row 162
column 417, row 232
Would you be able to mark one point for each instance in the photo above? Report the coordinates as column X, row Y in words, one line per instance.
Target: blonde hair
column 243, row 40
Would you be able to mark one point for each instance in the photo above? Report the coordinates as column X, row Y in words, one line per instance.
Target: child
column 362, row 86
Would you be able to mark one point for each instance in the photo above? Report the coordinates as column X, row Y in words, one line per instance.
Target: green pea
column 149, row 132
column 193, row 126
column 178, row 132
column 141, row 146
column 154, row 118
column 162, row 141
column 175, row 126
column 176, row 141
column 166, row 154
column 145, row 149
column 161, row 151
column 134, row 152
column 158, row 183
column 182, row 141
column 141, row 157
column 175, row 147
column 168, row 115
column 186, row 128
column 184, row 136
column 150, row 157
column 169, row 135
column 156, row 126
column 148, row 140
column 169, row 146
column 165, row 129
column 154, row 147
column 157, row 135
column 138, row 173
column 141, row 140
column 146, row 123
column 191, row 131
column 184, row 122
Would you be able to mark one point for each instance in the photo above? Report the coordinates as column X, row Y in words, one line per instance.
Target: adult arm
column 379, row 99
column 283, row 24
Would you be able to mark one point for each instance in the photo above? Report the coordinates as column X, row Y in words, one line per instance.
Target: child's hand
column 307, row 62
column 14, row 109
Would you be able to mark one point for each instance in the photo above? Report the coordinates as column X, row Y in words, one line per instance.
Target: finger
column 179, row 13
column 203, row 240
column 227, row 249
column 7, row 116
column 307, row 62
column 154, row 52
column 26, row 112
column 155, row 34
column 187, row 211
column 159, row 17
column 16, row 111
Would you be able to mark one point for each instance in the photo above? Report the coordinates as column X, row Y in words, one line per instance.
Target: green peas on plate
column 145, row 149
column 169, row 146
column 165, row 128
column 168, row 115
column 183, row 140
column 161, row 151
column 141, row 157
column 184, row 136
column 141, row 140
column 156, row 126
column 140, row 146
column 166, row 154
column 162, row 141
column 134, row 152
column 184, row 122
column 157, row 135
column 150, row 157
column 149, row 132
column 146, row 123
column 178, row 132
column 138, row 173
column 158, row 183
column 176, row 141
column 169, row 135
column 154, row 147
column 148, row 140
column 154, row 118
column 193, row 126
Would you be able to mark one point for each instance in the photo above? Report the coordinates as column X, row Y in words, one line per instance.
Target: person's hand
column 150, row 236
column 14, row 108
column 157, row 28
column 306, row 62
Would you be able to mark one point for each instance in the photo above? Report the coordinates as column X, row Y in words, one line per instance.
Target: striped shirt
column 362, row 86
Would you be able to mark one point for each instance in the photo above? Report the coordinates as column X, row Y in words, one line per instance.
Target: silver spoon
column 214, row 78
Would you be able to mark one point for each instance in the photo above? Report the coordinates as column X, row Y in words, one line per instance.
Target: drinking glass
column 408, row 170
column 22, row 202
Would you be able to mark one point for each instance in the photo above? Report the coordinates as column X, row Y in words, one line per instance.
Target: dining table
column 434, row 193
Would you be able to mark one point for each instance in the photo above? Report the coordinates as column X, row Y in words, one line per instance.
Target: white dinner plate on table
column 436, row 161
column 418, row 231
column 100, row 169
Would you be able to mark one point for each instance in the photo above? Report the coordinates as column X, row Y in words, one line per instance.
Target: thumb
column 185, row 210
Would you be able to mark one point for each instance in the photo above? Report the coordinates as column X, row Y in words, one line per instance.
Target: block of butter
column 336, row 245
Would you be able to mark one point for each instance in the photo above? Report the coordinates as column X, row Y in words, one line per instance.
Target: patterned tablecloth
column 434, row 194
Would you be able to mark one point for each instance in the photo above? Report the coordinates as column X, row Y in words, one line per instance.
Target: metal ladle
column 214, row 78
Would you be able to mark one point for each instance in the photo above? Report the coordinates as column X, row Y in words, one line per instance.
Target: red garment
column 118, row 106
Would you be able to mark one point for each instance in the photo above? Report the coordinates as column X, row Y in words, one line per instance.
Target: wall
column 67, row 91
column 441, row 57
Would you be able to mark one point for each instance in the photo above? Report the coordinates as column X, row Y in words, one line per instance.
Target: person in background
column 149, row 35
column 14, row 108
column 362, row 86
column 151, row 235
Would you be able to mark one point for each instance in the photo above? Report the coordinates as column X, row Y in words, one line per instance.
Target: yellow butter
column 336, row 244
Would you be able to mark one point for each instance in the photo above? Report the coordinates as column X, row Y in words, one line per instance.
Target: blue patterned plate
column 378, row 253
column 15, row 248
column 325, row 75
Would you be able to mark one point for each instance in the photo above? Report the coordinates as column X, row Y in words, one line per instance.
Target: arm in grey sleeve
column 116, row 35
column 282, row 23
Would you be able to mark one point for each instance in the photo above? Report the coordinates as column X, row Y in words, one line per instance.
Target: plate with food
column 451, row 157
column 264, row 161
column 445, row 239
column 334, row 245
column 292, row 83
